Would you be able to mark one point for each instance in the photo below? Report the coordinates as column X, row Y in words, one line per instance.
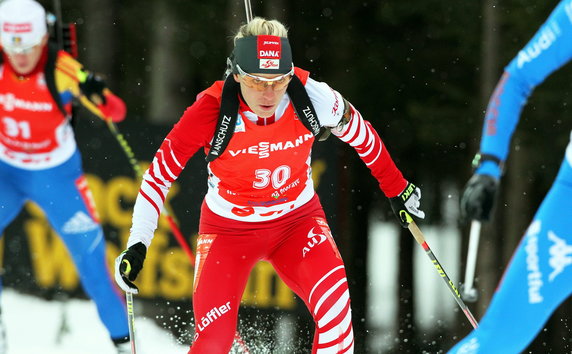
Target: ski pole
column 468, row 291
column 139, row 172
column 58, row 29
column 131, row 320
column 421, row 240
column 248, row 10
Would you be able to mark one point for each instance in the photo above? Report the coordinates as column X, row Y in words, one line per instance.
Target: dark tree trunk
column 488, row 260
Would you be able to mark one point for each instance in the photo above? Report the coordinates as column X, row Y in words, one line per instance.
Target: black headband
column 262, row 54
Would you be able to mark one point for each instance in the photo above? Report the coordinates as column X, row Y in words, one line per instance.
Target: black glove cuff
column 478, row 198
column 399, row 210
column 140, row 249
column 481, row 157
column 135, row 255
column 93, row 85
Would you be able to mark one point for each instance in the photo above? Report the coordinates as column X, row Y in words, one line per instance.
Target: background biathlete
column 39, row 158
column 539, row 276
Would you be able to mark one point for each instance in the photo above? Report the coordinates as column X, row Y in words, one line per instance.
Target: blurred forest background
column 420, row 71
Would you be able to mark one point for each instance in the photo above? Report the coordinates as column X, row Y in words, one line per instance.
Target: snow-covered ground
column 34, row 325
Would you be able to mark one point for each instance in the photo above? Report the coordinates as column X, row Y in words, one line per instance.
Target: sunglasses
column 260, row 83
column 19, row 50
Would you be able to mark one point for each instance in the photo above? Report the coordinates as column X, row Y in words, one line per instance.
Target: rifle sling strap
column 229, row 111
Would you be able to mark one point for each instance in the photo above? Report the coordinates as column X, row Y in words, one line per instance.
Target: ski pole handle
column 421, row 240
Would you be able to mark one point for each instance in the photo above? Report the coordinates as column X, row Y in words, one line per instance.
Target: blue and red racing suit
column 40, row 162
column 539, row 276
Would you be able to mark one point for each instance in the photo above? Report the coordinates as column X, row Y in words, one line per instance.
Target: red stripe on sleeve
column 159, row 163
column 171, row 158
column 150, row 201
column 158, row 191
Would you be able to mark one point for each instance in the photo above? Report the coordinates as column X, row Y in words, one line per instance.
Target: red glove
column 113, row 108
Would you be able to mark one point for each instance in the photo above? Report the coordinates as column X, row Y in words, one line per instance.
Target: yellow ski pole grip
column 127, row 267
column 405, row 216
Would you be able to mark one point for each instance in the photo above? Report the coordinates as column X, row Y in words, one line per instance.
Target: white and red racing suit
column 261, row 205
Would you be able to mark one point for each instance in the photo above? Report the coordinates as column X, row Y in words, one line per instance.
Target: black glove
column 479, row 197
column 407, row 202
column 92, row 88
column 128, row 265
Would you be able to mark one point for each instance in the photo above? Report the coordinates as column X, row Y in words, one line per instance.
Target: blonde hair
column 258, row 26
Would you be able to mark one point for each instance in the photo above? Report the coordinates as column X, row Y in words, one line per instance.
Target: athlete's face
column 262, row 97
column 25, row 61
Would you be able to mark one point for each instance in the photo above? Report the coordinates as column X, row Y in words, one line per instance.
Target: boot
column 123, row 348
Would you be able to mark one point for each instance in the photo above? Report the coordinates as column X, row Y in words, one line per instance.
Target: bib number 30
column 278, row 177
